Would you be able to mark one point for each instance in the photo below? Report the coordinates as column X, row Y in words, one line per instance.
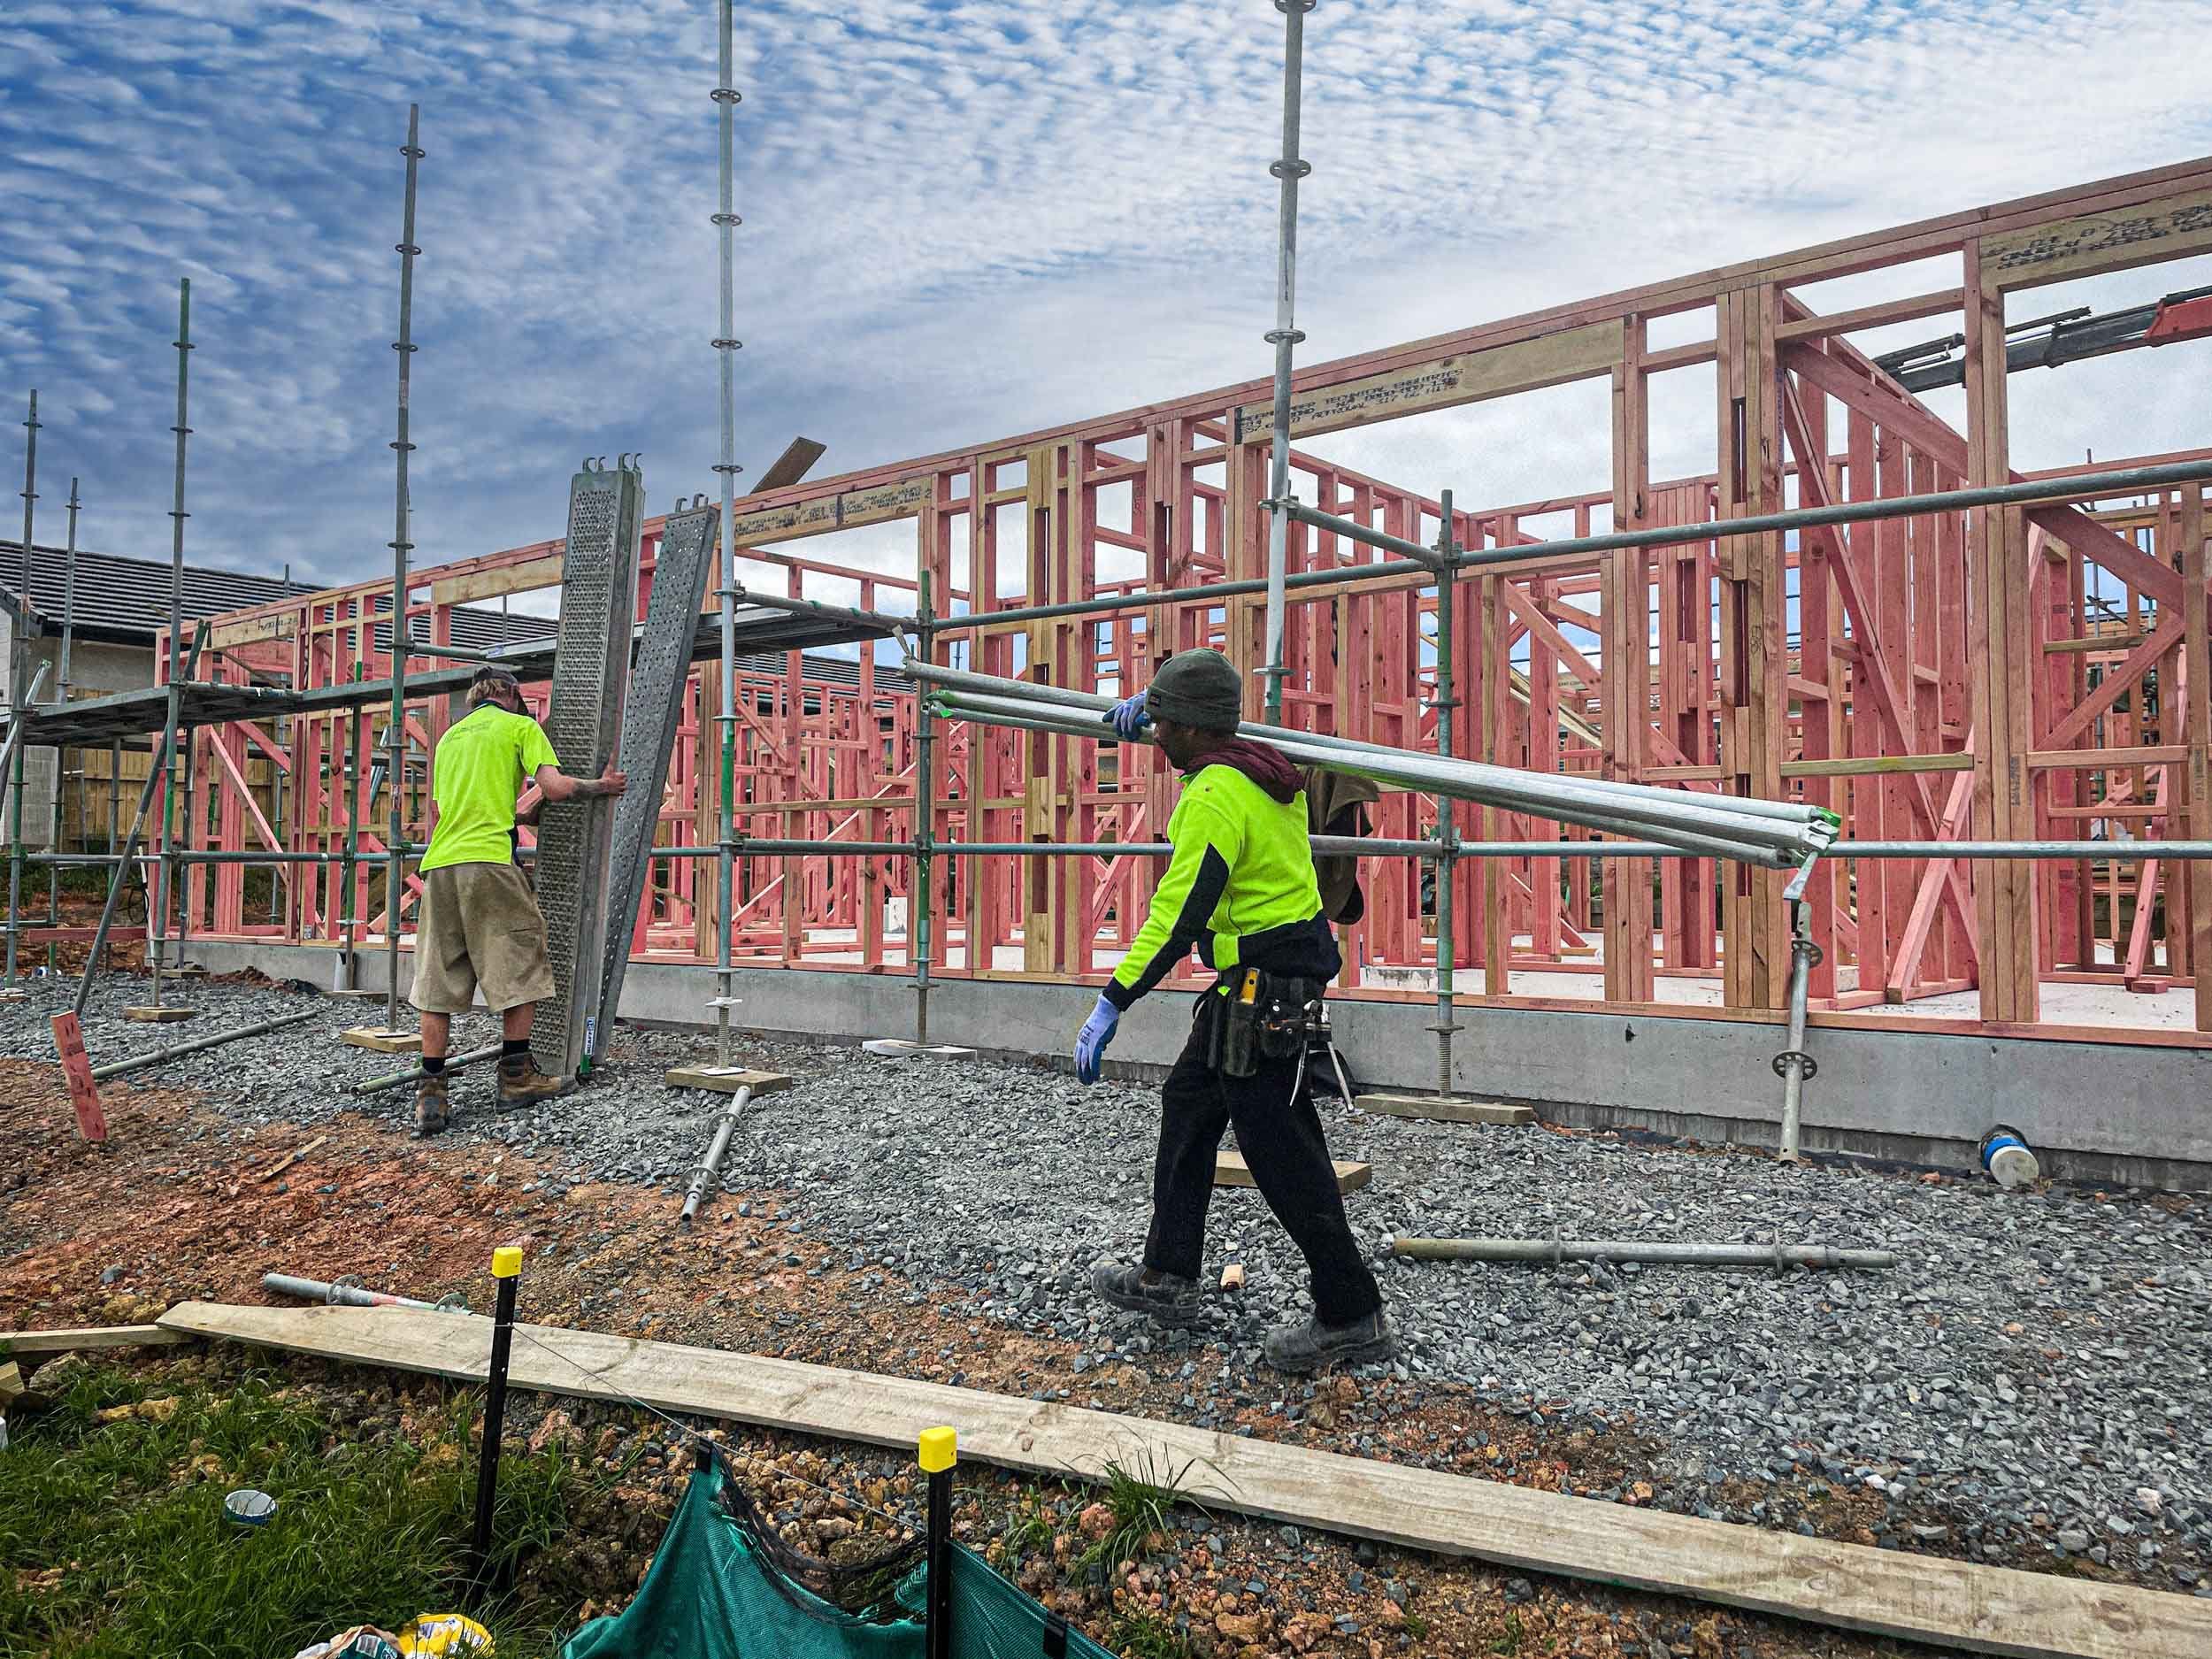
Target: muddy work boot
column 1302, row 1350
column 1168, row 1297
column 433, row 1111
column 521, row 1085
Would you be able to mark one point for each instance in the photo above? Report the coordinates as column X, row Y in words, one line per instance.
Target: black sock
column 510, row 1047
column 433, row 1065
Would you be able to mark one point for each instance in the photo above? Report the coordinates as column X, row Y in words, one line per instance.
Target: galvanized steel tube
column 395, row 733
column 1680, row 1254
column 400, row 1079
column 1287, row 169
column 1687, row 824
column 1608, row 794
column 178, row 1050
column 711, row 1165
column 725, row 221
column 347, row 1295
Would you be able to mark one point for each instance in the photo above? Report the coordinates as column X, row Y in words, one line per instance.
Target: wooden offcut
column 1449, row 1109
column 382, row 1039
column 289, row 1159
column 1888, row 1593
column 162, row 1016
column 1231, row 1170
column 725, row 1079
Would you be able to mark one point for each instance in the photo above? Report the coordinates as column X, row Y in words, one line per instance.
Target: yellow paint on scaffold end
column 507, row 1261
column 939, row 1450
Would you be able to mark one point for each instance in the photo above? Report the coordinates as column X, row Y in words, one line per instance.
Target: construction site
column 1766, row 1077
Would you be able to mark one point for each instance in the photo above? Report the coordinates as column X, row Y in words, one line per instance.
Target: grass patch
column 1140, row 1500
column 113, row 1542
column 1146, row 1635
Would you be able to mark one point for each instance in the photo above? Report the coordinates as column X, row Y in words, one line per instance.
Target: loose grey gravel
column 2033, row 1372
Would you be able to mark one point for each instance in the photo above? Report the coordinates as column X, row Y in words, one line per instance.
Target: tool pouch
column 1232, row 1046
column 1259, row 1016
column 1288, row 1007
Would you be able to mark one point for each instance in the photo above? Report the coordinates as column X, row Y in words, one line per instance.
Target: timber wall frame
column 1997, row 673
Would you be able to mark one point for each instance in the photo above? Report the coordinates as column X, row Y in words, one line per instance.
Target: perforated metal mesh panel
column 591, row 670
column 681, row 570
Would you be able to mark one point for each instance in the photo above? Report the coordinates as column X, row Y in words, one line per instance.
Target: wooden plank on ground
column 725, row 1079
column 1231, row 1170
column 19, row 1343
column 147, row 1015
column 1889, row 1593
column 1445, row 1111
column 381, row 1039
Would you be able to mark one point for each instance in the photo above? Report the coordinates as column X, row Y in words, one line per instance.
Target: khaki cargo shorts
column 480, row 927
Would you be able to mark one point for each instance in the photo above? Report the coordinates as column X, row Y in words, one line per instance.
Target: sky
column 962, row 220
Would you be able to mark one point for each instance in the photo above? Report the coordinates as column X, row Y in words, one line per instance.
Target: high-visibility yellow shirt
column 481, row 766
column 1240, row 881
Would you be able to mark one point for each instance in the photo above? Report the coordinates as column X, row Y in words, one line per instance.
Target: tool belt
column 1258, row 1016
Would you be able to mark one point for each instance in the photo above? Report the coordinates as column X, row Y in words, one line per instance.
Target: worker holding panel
column 1241, row 885
column 480, row 927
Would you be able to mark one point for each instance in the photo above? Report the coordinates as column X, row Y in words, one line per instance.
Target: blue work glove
column 1090, row 1043
column 1129, row 718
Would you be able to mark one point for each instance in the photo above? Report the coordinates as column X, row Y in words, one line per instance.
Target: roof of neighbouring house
column 126, row 601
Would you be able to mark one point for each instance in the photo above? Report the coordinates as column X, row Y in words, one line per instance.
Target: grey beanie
column 1200, row 687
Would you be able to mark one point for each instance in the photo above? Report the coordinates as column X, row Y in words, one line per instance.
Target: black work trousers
column 1280, row 1135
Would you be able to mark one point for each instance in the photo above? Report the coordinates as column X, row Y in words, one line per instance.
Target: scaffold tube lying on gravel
column 1677, row 1253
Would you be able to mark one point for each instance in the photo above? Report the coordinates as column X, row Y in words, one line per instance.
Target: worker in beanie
column 1241, row 885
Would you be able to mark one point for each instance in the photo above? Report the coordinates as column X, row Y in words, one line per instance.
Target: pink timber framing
column 1998, row 673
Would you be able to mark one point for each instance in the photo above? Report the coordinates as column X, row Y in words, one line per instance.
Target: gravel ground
column 2033, row 1376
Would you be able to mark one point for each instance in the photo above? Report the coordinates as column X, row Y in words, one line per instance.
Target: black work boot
column 433, row 1111
column 522, row 1085
column 1168, row 1297
column 1302, row 1350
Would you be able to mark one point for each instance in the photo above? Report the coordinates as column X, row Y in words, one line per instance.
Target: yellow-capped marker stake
column 507, row 1273
column 939, row 1451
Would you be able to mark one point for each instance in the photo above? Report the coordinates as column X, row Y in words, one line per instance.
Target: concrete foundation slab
column 2124, row 1113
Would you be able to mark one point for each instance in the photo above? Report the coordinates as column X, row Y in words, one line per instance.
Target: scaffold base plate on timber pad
column 725, row 1079
column 166, row 1015
column 381, row 1039
column 1449, row 1109
column 1899, row 1593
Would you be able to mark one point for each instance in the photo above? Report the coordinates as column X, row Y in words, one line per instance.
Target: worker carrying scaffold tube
column 481, row 926
column 1241, row 885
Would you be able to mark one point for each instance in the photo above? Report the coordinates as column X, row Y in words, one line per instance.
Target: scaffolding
column 1994, row 681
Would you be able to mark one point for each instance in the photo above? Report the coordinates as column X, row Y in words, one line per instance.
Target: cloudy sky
column 962, row 220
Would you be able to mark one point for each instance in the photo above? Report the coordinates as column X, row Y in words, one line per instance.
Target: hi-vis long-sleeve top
column 1240, row 879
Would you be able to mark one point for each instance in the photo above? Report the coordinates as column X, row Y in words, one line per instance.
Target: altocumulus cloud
column 963, row 219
